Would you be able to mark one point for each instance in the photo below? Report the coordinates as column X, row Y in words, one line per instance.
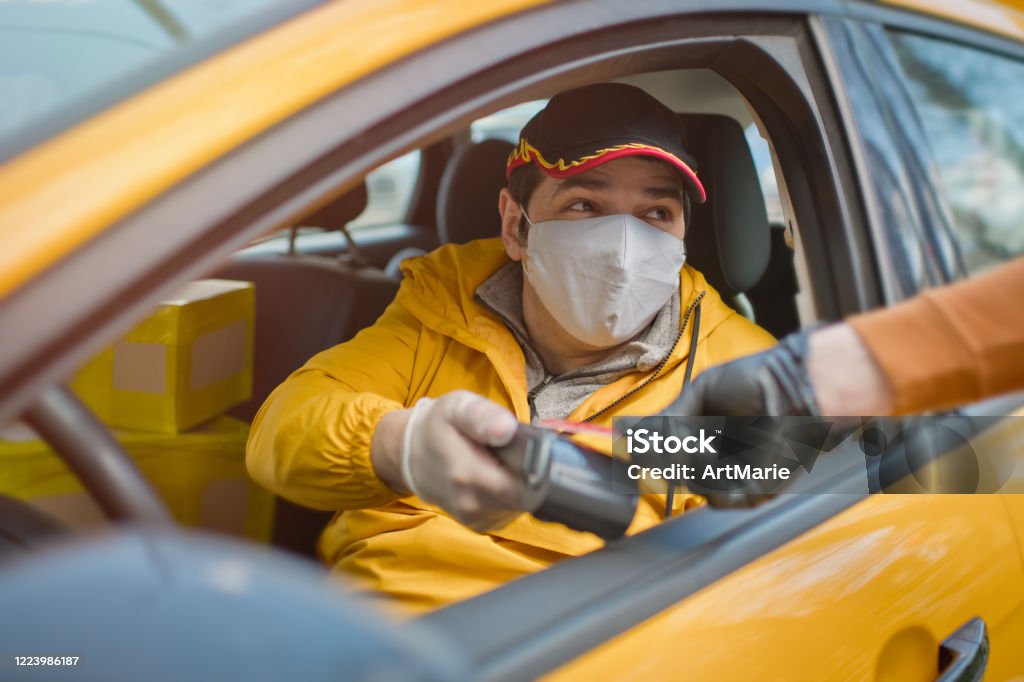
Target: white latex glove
column 444, row 461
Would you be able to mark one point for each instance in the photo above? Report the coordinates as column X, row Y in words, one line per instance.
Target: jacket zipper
column 532, row 395
column 555, row 379
column 661, row 365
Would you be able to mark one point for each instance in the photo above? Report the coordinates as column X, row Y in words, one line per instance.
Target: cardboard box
column 186, row 363
column 200, row 475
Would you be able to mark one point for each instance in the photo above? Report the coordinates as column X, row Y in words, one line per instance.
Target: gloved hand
column 444, row 462
column 774, row 382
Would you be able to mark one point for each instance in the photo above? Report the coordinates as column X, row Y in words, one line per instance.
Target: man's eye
column 581, row 205
column 659, row 214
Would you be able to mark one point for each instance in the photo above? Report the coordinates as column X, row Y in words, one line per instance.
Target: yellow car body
column 868, row 594
column 891, row 602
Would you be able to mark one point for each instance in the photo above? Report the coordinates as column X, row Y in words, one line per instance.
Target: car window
column 971, row 104
column 389, row 190
column 762, row 156
column 505, row 124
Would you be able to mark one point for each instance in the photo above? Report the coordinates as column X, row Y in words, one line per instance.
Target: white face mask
column 603, row 279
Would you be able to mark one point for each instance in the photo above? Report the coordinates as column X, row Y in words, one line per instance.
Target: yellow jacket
column 310, row 442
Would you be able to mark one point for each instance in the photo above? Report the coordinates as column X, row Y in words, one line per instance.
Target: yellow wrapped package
column 187, row 362
column 200, row 475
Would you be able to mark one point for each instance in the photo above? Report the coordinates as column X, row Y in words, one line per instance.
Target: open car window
column 505, row 124
column 389, row 191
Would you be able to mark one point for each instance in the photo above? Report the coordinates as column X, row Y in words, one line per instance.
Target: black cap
column 585, row 127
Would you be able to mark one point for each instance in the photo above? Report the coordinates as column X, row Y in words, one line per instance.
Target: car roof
column 64, row 192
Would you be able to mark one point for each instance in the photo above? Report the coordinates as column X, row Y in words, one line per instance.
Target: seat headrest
column 728, row 238
column 467, row 202
column 340, row 212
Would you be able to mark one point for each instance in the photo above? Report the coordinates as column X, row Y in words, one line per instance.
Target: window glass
column 971, row 104
column 765, row 174
column 505, row 124
column 389, row 190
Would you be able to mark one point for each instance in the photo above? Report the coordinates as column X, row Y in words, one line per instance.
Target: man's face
column 642, row 187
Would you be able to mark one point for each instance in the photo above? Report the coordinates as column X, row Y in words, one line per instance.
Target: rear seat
column 307, row 303
column 728, row 236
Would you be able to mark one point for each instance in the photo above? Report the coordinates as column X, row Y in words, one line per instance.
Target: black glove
column 773, row 382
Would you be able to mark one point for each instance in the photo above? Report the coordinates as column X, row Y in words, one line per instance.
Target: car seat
column 774, row 297
column 305, row 304
column 728, row 236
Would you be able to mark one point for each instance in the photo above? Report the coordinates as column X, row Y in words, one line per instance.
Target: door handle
column 964, row 654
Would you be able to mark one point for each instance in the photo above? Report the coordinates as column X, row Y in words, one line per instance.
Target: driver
column 582, row 310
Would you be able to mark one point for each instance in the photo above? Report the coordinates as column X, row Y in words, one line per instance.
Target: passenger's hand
column 774, row 382
column 443, row 459
column 822, row 372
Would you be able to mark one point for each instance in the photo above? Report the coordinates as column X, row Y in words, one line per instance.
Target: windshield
column 63, row 60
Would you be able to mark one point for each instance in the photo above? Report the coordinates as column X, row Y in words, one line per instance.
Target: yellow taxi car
column 861, row 152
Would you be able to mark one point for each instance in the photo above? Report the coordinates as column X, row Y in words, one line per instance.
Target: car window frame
column 887, row 35
column 865, row 25
column 896, row 138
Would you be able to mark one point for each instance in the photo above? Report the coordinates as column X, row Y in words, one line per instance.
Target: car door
column 869, row 594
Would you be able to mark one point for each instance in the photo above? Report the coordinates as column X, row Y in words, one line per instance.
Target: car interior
column 333, row 273
column 320, row 281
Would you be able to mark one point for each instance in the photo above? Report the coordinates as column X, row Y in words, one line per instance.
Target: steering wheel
column 99, row 461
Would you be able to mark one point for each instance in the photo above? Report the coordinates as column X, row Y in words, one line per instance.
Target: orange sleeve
column 951, row 345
